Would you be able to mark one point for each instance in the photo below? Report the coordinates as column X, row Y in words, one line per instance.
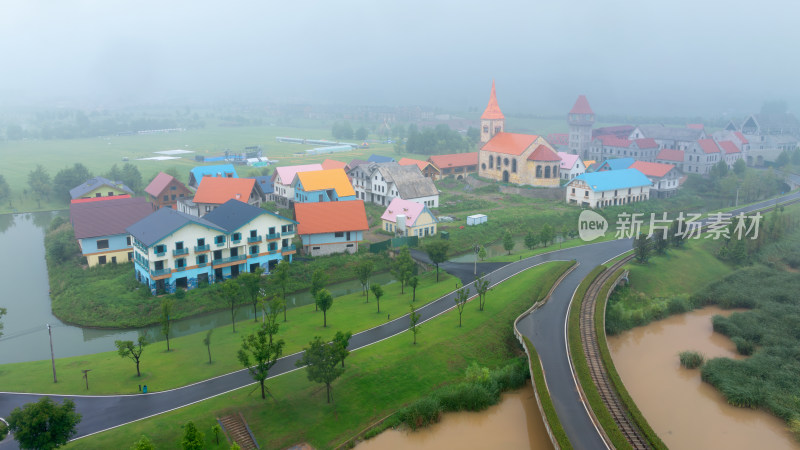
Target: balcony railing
column 180, row 251
column 287, row 233
column 273, row 236
column 236, row 241
column 229, row 259
column 220, row 244
column 202, row 264
column 159, row 272
column 161, row 253
column 290, row 248
column 201, row 248
column 254, row 239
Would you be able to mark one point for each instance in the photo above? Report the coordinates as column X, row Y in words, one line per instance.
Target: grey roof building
column 164, row 222
column 233, row 214
column 409, row 181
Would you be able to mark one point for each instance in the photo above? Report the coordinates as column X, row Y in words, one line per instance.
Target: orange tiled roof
column 543, row 153
column 218, row 190
column 455, row 160
column 509, row 143
column 492, row 111
column 330, row 217
column 581, row 106
column 318, row 180
column 411, row 162
column 333, row 164
column 652, row 169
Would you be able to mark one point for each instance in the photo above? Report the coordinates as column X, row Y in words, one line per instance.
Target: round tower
column 492, row 120
column 581, row 121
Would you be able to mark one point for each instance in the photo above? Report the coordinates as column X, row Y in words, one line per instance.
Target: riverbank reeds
column 691, row 359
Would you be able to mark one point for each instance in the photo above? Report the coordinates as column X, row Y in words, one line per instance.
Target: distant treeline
column 440, row 140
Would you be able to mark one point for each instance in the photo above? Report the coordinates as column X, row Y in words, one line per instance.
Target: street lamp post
column 477, row 250
column 52, row 355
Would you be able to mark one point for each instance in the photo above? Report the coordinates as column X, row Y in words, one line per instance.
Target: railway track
column 591, row 350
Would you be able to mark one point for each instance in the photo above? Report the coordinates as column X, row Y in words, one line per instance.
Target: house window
column 219, row 240
column 166, row 198
column 201, row 242
column 491, row 163
column 514, row 165
column 128, row 240
column 338, row 234
column 98, row 194
column 253, row 233
column 538, row 171
column 160, row 248
column 485, row 128
column 253, row 249
column 237, row 237
column 172, row 188
column 179, row 245
column 101, row 259
column 505, row 162
column 180, row 263
column 235, row 251
column 202, row 259
column 173, row 196
column 110, row 194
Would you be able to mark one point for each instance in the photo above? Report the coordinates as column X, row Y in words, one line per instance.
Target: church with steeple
column 522, row 159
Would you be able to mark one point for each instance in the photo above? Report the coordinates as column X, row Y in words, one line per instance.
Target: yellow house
column 99, row 187
column 419, row 220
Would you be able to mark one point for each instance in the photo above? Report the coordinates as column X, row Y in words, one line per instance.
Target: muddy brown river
column 684, row 411
column 514, row 423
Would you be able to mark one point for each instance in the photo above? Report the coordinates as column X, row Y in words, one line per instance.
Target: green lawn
column 681, row 271
column 161, row 370
column 378, row 380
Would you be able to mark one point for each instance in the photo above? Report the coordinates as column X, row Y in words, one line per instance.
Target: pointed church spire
column 492, row 111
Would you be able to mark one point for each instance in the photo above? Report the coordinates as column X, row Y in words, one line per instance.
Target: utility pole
column 737, row 198
column 52, row 355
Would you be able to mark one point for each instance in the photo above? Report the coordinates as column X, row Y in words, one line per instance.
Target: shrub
column 691, row 359
column 678, row 304
column 421, row 413
column 3, row 430
column 743, row 346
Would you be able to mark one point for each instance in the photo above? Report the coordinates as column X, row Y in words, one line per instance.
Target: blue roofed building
column 177, row 250
column 608, row 188
column 615, row 164
column 380, row 159
column 221, row 170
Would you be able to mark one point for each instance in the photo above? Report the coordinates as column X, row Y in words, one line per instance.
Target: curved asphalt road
column 544, row 327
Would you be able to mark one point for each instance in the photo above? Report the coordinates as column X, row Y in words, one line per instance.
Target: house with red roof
column 665, row 177
column 609, row 146
column 523, row 159
column 426, row 167
column 406, row 218
column 732, row 153
column 165, row 191
column 331, row 227
column 99, row 225
column 457, row 165
column 671, row 156
column 701, row 156
column 214, row 191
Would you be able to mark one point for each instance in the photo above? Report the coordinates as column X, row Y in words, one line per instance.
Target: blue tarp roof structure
column 219, row 170
column 613, row 179
column 616, row 163
column 380, row 159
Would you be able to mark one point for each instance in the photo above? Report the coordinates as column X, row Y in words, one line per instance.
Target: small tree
column 318, row 281
column 481, row 287
column 264, row 352
column 482, row 253
column 363, row 272
column 462, row 295
column 437, row 252
column 531, row 240
column 659, row 243
column 3, row 312
column 144, row 443
column 44, row 424
column 281, row 279
column 127, row 349
column 342, row 341
column 641, row 247
column 739, row 167
column 676, row 230
column 413, row 323
column 564, row 233
column 377, row 291
column 231, row 292
column 546, row 235
column 403, row 267
column 193, row 438
column 166, row 311
column 324, row 301
column 251, row 284
column 207, row 343
column 322, row 363
column 216, row 429
column 508, row 241
column 413, row 282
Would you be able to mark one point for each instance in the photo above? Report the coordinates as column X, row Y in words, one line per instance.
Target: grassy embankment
column 163, row 370
column 379, row 379
column 110, row 296
column 539, row 383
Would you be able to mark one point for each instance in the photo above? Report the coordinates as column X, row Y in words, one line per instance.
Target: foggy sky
column 682, row 57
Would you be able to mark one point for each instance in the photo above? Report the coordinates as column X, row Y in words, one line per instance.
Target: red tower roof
column 492, row 111
column 581, row 106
